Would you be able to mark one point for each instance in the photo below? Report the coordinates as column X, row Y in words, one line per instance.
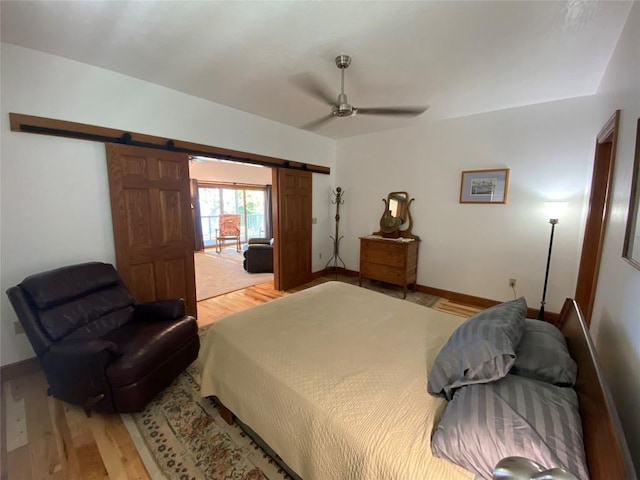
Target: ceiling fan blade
column 314, row 87
column 403, row 111
column 317, row 123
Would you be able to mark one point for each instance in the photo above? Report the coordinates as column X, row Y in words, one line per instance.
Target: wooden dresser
column 393, row 261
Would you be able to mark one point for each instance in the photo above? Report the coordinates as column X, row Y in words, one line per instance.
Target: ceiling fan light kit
column 342, row 108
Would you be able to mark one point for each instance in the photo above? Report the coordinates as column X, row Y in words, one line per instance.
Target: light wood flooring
column 44, row 438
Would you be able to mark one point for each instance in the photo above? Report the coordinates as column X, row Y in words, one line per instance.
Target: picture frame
column 484, row 186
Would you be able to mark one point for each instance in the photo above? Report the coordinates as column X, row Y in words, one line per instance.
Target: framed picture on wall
column 484, row 186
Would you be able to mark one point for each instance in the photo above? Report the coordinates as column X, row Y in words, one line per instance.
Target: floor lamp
column 554, row 209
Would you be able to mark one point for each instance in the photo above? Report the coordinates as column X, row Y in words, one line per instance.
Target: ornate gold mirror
column 396, row 215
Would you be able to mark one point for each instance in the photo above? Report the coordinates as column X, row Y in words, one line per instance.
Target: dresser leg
column 360, row 282
column 405, row 291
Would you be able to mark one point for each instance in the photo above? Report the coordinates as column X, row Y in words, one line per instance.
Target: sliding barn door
column 292, row 221
column 152, row 224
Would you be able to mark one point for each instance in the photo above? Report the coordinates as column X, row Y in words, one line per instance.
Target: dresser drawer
column 382, row 273
column 383, row 253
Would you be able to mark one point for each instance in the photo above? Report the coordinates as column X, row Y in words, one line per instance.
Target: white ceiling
column 458, row 57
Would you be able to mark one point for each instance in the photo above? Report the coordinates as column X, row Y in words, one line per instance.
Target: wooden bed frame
column 605, row 446
column 606, row 449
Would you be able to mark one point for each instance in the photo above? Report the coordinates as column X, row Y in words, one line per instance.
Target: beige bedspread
column 334, row 379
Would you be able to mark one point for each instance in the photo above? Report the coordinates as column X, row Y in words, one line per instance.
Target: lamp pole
column 553, row 222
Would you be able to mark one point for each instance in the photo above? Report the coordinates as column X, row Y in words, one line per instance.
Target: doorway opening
column 231, row 205
column 601, row 182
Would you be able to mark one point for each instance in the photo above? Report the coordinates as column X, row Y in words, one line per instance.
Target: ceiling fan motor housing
column 343, row 61
column 342, row 109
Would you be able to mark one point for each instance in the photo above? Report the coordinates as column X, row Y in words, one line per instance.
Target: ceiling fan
column 341, row 107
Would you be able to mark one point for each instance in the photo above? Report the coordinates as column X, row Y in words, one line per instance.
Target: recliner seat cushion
column 144, row 346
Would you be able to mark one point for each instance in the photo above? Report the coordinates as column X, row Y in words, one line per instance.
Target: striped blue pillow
column 480, row 350
column 543, row 355
column 514, row 416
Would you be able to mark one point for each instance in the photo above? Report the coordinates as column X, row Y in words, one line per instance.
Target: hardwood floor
column 216, row 308
column 459, row 309
column 44, row 438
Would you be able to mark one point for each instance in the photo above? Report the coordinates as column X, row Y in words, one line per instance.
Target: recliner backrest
column 76, row 302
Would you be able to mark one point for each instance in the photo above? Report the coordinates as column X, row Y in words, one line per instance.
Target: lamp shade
column 555, row 209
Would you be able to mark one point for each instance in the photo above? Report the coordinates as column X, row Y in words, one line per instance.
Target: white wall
column 475, row 249
column 55, row 203
column 212, row 171
column 616, row 314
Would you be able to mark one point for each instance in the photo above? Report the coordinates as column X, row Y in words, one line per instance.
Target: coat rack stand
column 335, row 258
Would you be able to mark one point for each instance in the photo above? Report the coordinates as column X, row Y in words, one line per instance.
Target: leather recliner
column 98, row 347
column 258, row 255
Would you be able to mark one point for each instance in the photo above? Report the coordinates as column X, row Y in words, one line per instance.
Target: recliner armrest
column 76, row 371
column 81, row 352
column 260, row 246
column 160, row 310
column 259, row 241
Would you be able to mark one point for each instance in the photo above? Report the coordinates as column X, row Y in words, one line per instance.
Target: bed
column 333, row 379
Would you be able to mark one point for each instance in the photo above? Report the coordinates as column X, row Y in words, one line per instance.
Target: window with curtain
column 248, row 201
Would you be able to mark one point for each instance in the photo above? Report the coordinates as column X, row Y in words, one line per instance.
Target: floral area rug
column 182, row 436
column 420, row 298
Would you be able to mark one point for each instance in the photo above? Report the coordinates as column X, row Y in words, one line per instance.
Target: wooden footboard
column 605, row 446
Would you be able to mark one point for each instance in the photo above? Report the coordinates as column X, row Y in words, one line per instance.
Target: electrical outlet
column 17, row 328
column 512, row 282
